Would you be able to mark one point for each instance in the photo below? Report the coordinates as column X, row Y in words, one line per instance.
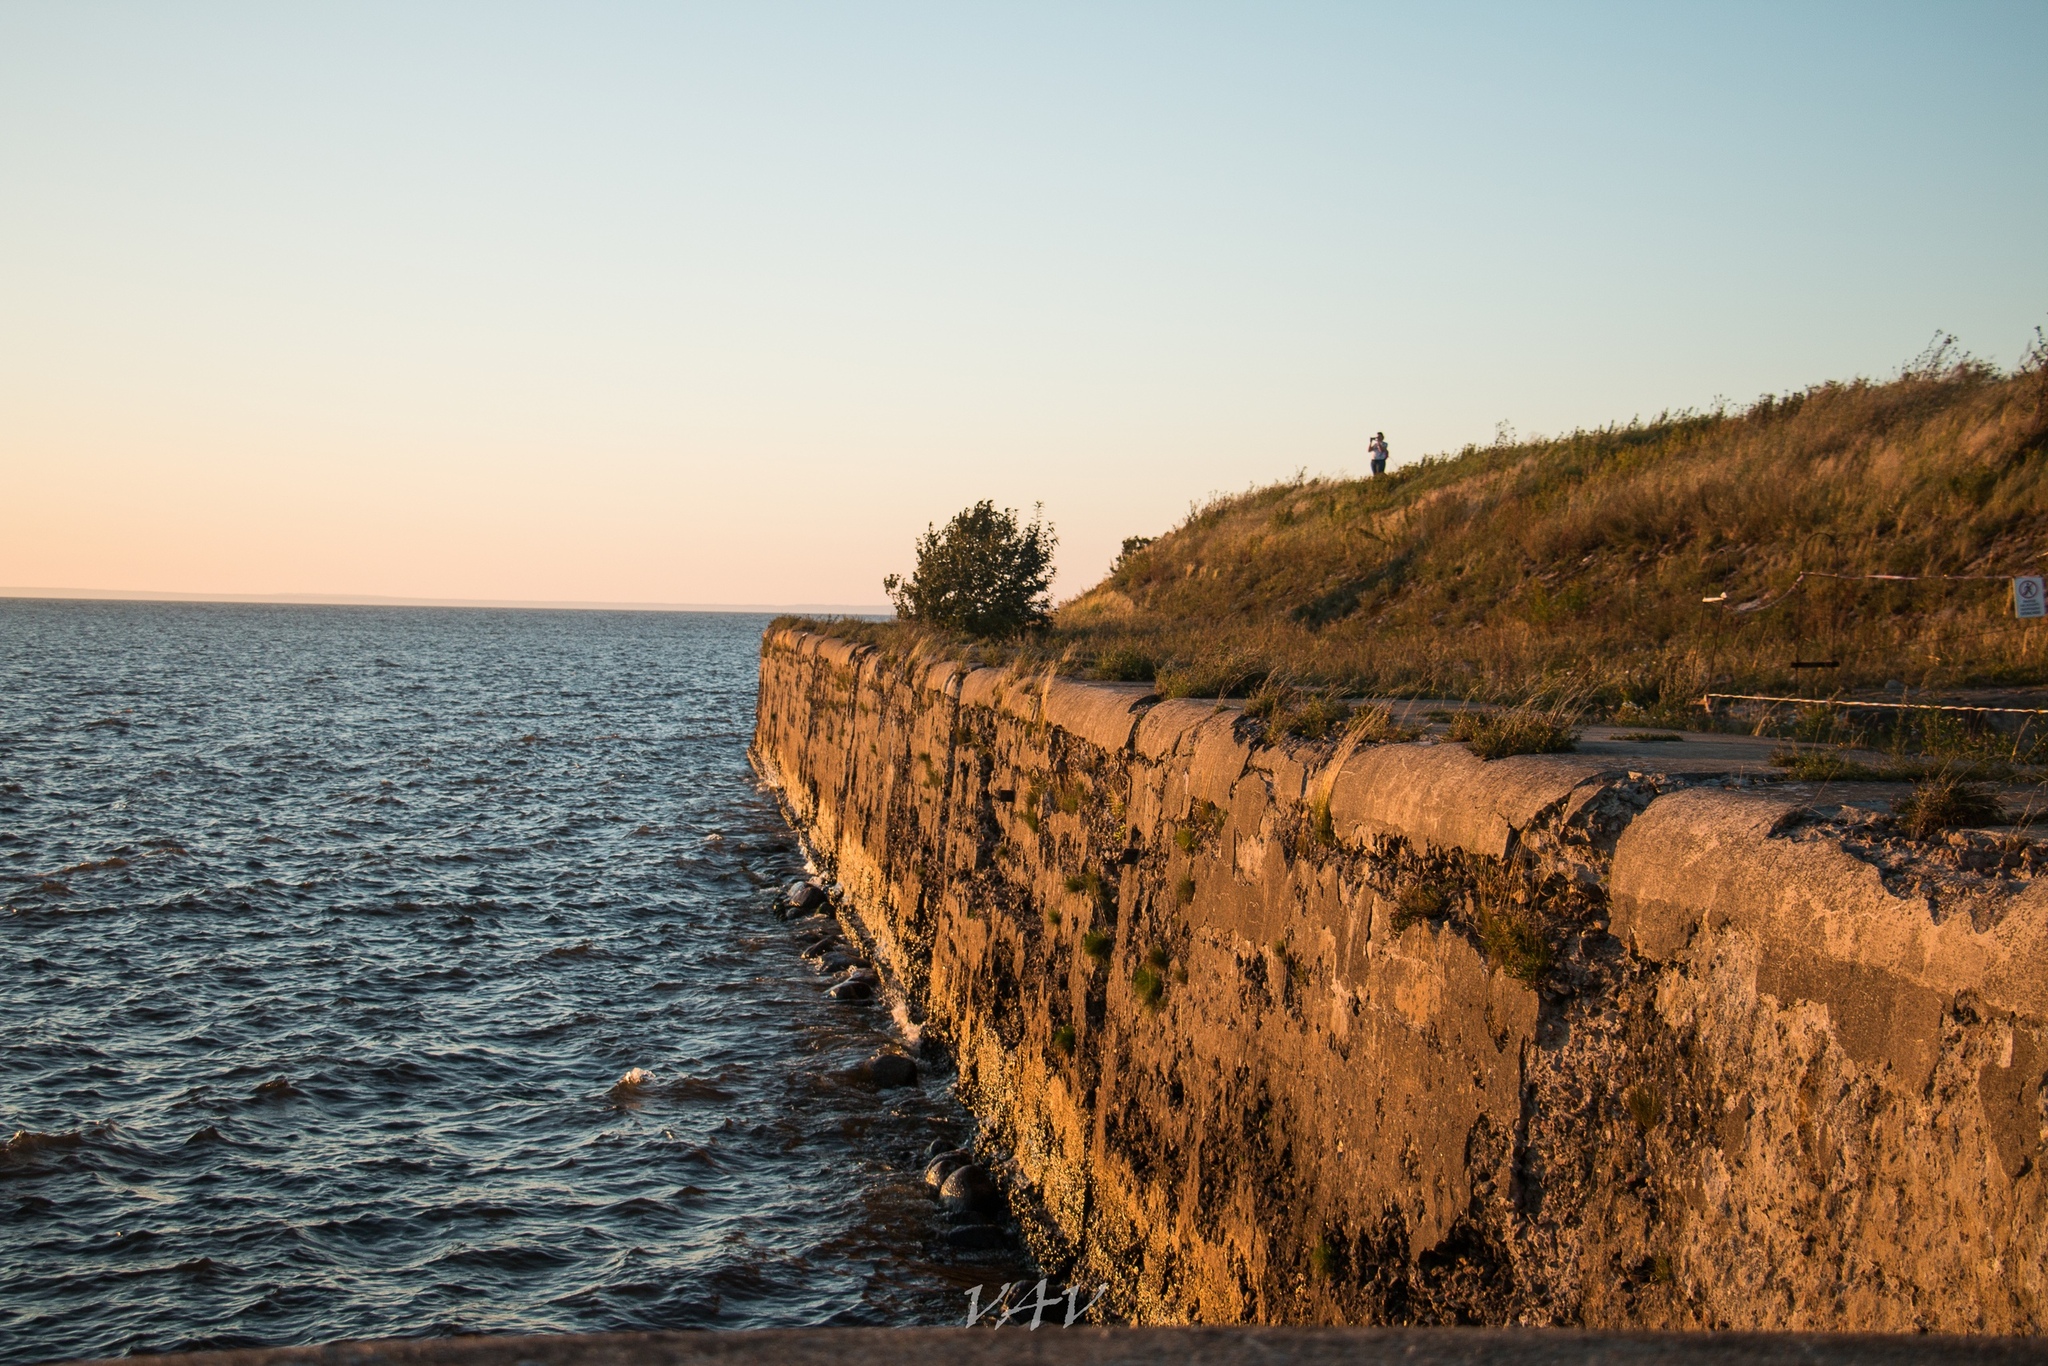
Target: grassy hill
column 1577, row 566
column 1620, row 571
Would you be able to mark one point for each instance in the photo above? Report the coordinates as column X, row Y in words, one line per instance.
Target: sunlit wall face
column 723, row 304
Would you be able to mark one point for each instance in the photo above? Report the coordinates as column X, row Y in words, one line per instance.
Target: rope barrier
column 1711, row 698
column 1759, row 604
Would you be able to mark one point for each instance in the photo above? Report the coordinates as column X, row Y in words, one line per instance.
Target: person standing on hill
column 1377, row 449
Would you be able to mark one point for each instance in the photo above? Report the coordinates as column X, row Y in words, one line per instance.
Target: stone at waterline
column 943, row 1165
column 802, row 896
column 888, row 1069
column 970, row 1190
column 977, row 1238
column 853, row 989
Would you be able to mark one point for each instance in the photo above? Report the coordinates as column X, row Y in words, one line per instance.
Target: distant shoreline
column 369, row 600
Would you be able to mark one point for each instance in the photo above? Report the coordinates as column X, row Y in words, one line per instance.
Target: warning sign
column 2028, row 599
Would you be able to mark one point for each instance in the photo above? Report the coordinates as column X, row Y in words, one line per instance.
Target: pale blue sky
column 672, row 303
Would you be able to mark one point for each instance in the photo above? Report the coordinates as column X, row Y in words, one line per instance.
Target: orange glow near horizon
column 645, row 304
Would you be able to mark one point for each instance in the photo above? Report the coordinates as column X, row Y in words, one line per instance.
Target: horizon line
column 375, row 600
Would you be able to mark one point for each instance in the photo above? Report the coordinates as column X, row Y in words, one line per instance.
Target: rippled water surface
column 327, row 932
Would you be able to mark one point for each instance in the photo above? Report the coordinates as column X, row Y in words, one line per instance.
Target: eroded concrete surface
column 1329, row 1033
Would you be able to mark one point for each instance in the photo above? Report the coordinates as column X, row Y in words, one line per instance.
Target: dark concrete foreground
column 1082, row 1346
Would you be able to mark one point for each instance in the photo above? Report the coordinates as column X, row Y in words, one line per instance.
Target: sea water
column 325, row 936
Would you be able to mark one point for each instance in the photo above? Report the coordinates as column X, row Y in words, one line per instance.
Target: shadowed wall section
column 1324, row 1033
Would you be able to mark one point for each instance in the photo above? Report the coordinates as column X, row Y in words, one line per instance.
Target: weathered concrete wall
column 1343, row 1033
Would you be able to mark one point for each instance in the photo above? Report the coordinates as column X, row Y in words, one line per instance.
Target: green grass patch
column 1416, row 903
column 1063, row 1040
column 1522, row 730
column 1944, row 802
column 1096, row 945
column 1823, row 766
column 1149, row 987
column 1088, row 883
column 1512, row 942
column 1323, row 1259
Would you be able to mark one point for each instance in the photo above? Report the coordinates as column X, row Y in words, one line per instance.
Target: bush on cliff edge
column 985, row 574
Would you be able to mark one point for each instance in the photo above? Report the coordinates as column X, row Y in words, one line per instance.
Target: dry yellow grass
column 1573, row 569
column 1577, row 566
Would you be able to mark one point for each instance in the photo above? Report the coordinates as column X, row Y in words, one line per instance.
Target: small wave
column 27, row 1142
column 115, row 862
column 505, row 1258
column 570, row 951
column 277, row 1088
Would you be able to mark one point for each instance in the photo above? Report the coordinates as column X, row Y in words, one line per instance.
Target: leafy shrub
column 1096, row 945
column 984, row 574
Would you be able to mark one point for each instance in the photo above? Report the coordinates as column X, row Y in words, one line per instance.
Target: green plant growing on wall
column 1096, row 945
column 1148, row 983
column 1184, row 889
column 1063, row 1040
column 1205, row 820
column 1148, row 986
column 1322, row 1259
column 1089, row 883
column 1322, row 827
column 1645, row 1107
column 985, row 574
column 1416, row 903
column 1511, row 942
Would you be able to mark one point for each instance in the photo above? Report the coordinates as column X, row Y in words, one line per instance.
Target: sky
column 724, row 303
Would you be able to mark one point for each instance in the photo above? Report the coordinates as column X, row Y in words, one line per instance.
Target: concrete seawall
column 1322, row 1033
